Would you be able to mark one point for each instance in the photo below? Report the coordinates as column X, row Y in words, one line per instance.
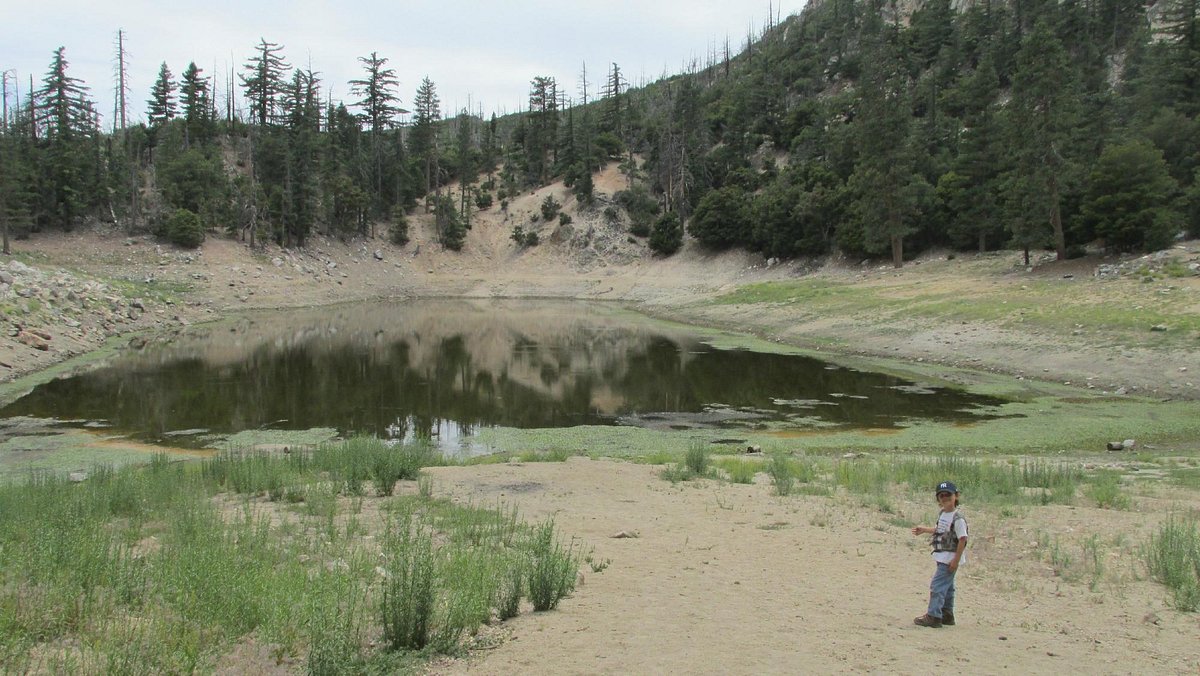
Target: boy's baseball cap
column 946, row 487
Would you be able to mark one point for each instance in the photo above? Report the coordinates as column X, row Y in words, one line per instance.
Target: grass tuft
column 1173, row 558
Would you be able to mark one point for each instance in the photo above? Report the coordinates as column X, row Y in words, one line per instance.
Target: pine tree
column 70, row 165
column 196, row 104
column 1043, row 113
column 378, row 107
column 465, row 158
column 378, row 92
column 160, row 107
column 889, row 190
column 264, row 81
column 302, row 108
column 422, row 141
column 540, row 136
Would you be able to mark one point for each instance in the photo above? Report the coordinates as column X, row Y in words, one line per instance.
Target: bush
column 550, row 207
column 398, row 232
column 667, row 236
column 641, row 207
column 552, row 570
column 697, row 459
column 782, row 474
column 409, row 593
column 584, row 187
column 564, row 219
column 1173, row 557
column 483, row 200
column 523, row 238
column 184, row 229
column 722, row 218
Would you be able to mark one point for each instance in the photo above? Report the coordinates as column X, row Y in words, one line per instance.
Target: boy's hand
column 953, row 565
column 918, row 530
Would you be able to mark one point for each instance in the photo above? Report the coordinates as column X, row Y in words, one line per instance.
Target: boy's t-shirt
column 945, row 520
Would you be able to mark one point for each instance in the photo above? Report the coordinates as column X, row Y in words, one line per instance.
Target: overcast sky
column 482, row 52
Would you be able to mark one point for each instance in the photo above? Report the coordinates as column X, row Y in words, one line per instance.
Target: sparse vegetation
column 202, row 557
column 1173, row 558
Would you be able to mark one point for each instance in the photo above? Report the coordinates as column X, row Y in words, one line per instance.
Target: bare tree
column 121, row 106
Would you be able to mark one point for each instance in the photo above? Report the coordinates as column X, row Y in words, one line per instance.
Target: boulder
column 36, row 342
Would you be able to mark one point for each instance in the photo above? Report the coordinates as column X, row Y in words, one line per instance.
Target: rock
column 36, row 342
column 6, row 278
column 42, row 333
column 134, row 314
column 754, row 449
column 137, row 303
column 1116, row 446
column 1129, row 444
column 378, row 255
column 621, row 534
column 78, row 477
column 1159, row 328
column 19, row 268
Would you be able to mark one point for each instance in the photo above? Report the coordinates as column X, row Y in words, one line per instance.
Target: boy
column 949, row 541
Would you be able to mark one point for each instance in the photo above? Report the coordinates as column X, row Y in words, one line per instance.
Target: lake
column 445, row 369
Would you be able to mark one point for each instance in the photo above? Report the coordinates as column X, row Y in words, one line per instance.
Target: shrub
column 409, row 594
column 667, row 236
column 523, row 238
column 564, row 219
column 584, row 187
column 1173, row 557
column 550, row 208
column 552, row 570
column 697, row 459
column 398, row 232
column 184, row 228
column 641, row 207
column 781, row 473
column 483, row 200
column 1106, row 492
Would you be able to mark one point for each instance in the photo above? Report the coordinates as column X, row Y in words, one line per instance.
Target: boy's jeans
column 941, row 591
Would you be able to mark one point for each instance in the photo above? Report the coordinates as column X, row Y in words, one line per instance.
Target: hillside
column 1087, row 321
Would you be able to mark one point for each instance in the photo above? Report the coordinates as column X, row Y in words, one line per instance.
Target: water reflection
column 445, row 368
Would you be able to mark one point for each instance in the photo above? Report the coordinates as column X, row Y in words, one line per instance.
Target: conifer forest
column 870, row 128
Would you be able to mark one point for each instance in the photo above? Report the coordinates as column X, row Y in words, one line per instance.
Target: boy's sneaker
column 947, row 618
column 928, row 620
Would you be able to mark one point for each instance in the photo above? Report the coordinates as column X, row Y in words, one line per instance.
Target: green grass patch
column 739, row 470
column 164, row 567
column 1105, row 490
